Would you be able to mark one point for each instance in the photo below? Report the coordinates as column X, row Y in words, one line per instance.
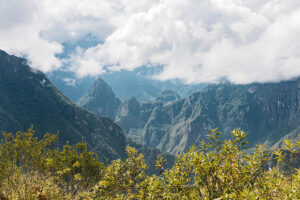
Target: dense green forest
column 220, row 169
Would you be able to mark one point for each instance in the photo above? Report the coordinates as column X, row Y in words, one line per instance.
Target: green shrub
column 24, row 158
column 218, row 170
column 39, row 169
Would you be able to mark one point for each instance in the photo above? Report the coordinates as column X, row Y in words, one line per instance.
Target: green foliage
column 32, row 169
column 121, row 180
column 71, row 169
column 218, row 170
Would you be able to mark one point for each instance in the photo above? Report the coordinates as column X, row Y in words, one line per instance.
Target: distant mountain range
column 66, row 81
column 28, row 97
column 267, row 112
column 125, row 84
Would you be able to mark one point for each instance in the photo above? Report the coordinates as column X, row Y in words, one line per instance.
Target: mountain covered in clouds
column 71, row 86
column 67, row 81
column 137, row 83
column 268, row 113
column 27, row 97
column 125, row 84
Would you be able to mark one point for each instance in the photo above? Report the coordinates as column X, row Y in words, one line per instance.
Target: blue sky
column 195, row 40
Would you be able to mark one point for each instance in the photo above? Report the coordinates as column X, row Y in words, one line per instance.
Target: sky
column 196, row 41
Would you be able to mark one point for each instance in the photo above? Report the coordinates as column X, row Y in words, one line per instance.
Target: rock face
column 130, row 113
column 267, row 112
column 133, row 116
column 101, row 100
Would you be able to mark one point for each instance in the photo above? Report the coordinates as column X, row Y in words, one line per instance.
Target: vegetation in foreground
column 39, row 169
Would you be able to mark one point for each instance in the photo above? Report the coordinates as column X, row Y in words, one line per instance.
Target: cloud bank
column 243, row 41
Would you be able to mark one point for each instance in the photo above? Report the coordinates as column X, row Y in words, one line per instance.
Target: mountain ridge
column 267, row 112
column 27, row 97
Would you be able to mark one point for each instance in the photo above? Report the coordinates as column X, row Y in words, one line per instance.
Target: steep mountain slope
column 294, row 136
column 100, row 99
column 267, row 112
column 27, row 97
column 132, row 116
column 71, row 86
column 63, row 78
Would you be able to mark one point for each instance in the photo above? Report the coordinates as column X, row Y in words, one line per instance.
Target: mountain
column 125, row 84
column 28, row 97
column 64, row 79
column 71, row 86
column 293, row 136
column 135, row 118
column 100, row 99
column 137, row 83
column 267, row 112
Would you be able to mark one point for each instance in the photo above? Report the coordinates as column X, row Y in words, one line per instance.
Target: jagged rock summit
column 100, row 99
column 267, row 112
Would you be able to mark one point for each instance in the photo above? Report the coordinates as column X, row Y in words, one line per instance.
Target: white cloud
column 25, row 40
column 196, row 41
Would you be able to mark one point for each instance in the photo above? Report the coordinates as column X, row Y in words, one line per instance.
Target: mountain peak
column 100, row 99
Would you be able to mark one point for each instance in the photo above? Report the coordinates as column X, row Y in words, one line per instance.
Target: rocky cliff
column 100, row 99
column 267, row 112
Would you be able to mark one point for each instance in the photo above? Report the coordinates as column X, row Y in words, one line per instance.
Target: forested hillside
column 28, row 98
